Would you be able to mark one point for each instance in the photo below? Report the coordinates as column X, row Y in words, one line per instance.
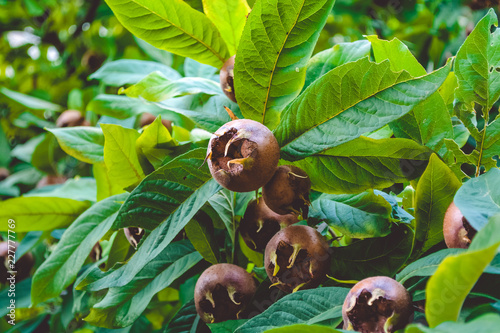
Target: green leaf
column 185, row 320
column 30, row 102
column 46, row 155
column 277, row 42
column 376, row 164
column 477, row 64
column 304, row 328
column 118, row 251
column 173, row 26
column 105, row 187
column 330, row 111
column 306, row 306
column 84, row 143
column 123, row 305
column 229, row 16
column 434, row 193
column 363, row 215
column 486, row 323
column 120, row 107
column 129, row 71
column 83, row 188
column 120, row 155
column 156, row 88
column 228, row 326
column 193, row 68
column 479, row 198
column 339, row 54
column 59, row 270
column 373, row 256
column 166, row 199
column 202, row 238
column 154, row 143
column 456, row 275
column 40, row 213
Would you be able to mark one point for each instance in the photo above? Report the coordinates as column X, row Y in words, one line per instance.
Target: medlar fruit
column 222, row 292
column 242, row 155
column 288, row 191
column 297, row 257
column 22, row 266
column 457, row 231
column 260, row 224
column 148, row 118
column 134, row 235
column 51, row 180
column 227, row 78
column 377, row 305
column 4, row 173
column 71, row 118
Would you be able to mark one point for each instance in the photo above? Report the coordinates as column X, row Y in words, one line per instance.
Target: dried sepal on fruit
column 377, row 305
column 242, row 155
column 457, row 231
column 134, row 235
column 222, row 292
column 260, row 224
column 288, row 191
column 297, row 257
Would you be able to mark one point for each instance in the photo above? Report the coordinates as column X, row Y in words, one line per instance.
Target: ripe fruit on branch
column 288, row 191
column 23, row 265
column 227, row 78
column 222, row 293
column 242, row 155
column 297, row 257
column 377, row 305
column 134, row 235
column 260, row 224
column 71, row 118
column 457, row 231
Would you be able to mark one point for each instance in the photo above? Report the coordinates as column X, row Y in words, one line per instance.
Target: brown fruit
column 227, row 78
column 243, row 155
column 297, row 257
column 288, row 191
column 222, row 293
column 4, row 173
column 134, row 235
column 71, row 118
column 260, row 224
column 51, row 180
column 148, row 118
column 22, row 266
column 457, row 231
column 377, row 305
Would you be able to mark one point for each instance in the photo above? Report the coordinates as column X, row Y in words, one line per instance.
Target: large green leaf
column 154, row 144
column 105, row 187
column 200, row 233
column 270, row 68
column 306, row 306
column 82, row 188
column 479, row 198
column 129, row 71
column 156, row 87
column 229, row 16
column 300, row 328
column 84, row 143
column 40, row 213
column 171, row 196
column 456, row 275
column 373, row 256
column 339, row 54
column 486, row 323
column 429, row 122
column 173, row 26
column 375, row 164
column 59, row 270
column 185, row 320
column 123, row 305
column 363, row 215
column 120, row 155
column 348, row 101
column 28, row 101
column 434, row 193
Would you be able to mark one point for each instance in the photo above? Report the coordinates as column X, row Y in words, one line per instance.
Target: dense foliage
column 391, row 109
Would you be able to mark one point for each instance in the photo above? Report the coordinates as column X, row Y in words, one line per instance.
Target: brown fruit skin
column 4, row 173
column 71, row 118
column 23, row 265
column 257, row 151
column 258, row 215
column 51, row 180
column 227, row 78
column 148, row 118
column 393, row 297
column 314, row 256
column 216, row 280
column 457, row 232
column 134, row 235
column 286, row 192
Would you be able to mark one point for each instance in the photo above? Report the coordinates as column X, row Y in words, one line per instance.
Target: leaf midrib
column 180, row 28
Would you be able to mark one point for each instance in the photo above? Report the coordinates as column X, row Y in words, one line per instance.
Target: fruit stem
column 230, row 113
